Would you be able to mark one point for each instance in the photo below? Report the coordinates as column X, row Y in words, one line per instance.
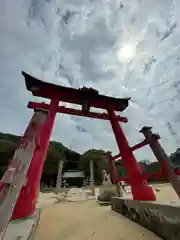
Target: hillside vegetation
column 73, row 160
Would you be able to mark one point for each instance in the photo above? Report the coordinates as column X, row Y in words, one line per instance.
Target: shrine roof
column 71, row 95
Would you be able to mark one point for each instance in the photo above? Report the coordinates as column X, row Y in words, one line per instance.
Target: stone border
column 22, row 228
column 101, row 203
column 162, row 219
column 34, row 228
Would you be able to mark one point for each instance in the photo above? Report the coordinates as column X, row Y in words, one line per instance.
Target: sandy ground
column 80, row 218
column 87, row 220
column 166, row 192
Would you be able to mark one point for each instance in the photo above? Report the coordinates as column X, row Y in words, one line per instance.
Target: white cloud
column 75, row 43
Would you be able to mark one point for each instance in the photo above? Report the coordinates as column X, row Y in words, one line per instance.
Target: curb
column 34, row 228
column 23, row 228
column 101, row 203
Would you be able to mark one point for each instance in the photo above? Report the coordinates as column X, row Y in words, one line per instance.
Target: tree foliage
column 73, row 160
column 175, row 158
column 100, row 162
column 6, row 151
column 56, row 152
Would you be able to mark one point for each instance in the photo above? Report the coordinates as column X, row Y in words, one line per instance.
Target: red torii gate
column 87, row 98
column 166, row 171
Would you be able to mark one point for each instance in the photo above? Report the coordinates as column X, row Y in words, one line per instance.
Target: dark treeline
column 73, row 160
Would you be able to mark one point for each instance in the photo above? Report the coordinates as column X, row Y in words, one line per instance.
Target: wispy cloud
column 76, row 43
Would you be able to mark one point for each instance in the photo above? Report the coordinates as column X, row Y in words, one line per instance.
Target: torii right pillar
column 139, row 186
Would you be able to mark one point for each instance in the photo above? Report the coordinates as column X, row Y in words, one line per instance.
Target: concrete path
column 87, row 220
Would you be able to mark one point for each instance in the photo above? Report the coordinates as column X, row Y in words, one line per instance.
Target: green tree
column 6, row 152
column 120, row 169
column 175, row 158
column 100, row 161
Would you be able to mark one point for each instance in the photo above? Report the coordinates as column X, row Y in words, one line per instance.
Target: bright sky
column 122, row 48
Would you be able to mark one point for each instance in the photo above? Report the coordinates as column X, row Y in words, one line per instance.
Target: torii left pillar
column 26, row 203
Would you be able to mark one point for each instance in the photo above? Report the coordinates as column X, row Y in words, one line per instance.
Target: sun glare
column 126, row 53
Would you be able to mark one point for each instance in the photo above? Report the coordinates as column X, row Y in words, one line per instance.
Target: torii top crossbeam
column 75, row 96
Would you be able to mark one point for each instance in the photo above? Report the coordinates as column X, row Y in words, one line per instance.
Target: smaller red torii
column 166, row 172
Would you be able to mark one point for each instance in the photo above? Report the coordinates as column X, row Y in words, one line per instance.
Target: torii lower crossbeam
column 76, row 112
